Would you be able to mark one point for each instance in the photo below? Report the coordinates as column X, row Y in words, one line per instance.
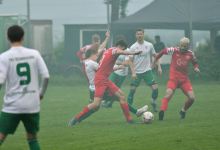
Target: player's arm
column 134, row 76
column 44, row 83
column 124, row 52
column 158, row 64
column 102, row 46
column 118, row 67
column 159, row 55
column 195, row 64
column 80, row 52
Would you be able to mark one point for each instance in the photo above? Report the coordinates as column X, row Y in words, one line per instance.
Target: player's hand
column 196, row 70
column 121, row 67
column 134, row 76
column 160, row 71
column 84, row 62
column 138, row 52
column 41, row 97
column 107, row 34
column 153, row 66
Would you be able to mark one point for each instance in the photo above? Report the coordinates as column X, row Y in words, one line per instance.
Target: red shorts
column 184, row 86
column 103, row 84
column 84, row 72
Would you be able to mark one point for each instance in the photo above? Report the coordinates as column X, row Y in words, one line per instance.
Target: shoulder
column 148, row 43
column 134, row 45
column 190, row 52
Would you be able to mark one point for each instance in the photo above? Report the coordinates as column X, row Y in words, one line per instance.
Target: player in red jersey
column 102, row 82
column 178, row 78
column 95, row 45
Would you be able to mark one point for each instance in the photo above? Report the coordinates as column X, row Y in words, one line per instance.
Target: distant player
column 181, row 57
column 20, row 67
column 102, row 82
column 140, row 67
column 95, row 45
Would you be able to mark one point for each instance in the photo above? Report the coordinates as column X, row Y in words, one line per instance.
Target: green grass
column 107, row 129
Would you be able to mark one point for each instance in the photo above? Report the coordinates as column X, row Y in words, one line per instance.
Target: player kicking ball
column 178, row 78
column 20, row 67
column 102, row 82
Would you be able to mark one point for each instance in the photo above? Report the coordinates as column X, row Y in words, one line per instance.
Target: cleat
column 161, row 115
column 90, row 101
column 133, row 122
column 154, row 105
column 72, row 122
column 141, row 111
column 182, row 114
column 104, row 103
column 109, row 106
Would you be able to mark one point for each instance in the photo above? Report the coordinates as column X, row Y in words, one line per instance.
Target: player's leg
column 188, row 90
column 87, row 79
column 150, row 81
column 171, row 87
column 8, row 125
column 31, row 124
column 133, row 87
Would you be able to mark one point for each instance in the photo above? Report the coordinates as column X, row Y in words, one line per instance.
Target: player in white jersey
column 20, row 67
column 140, row 67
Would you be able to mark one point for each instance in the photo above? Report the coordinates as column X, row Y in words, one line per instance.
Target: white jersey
column 141, row 62
column 121, row 59
column 20, row 67
column 91, row 68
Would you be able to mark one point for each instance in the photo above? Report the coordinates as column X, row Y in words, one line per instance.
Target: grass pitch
column 107, row 128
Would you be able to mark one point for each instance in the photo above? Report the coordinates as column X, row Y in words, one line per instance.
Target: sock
column 188, row 103
column 164, row 104
column 132, row 109
column 1, row 142
column 33, row 144
column 130, row 96
column 125, row 109
column 83, row 113
column 111, row 102
column 86, row 116
column 155, row 94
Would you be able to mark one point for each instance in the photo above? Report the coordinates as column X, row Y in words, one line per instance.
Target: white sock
column 183, row 110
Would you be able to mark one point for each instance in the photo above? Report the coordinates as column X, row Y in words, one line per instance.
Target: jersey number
column 24, row 73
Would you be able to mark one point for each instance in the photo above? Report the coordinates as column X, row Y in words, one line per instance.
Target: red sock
column 83, row 113
column 125, row 109
column 188, row 103
column 164, row 104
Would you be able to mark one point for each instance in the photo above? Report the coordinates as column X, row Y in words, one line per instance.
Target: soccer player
column 95, row 45
column 140, row 67
column 102, row 82
column 20, row 67
column 178, row 78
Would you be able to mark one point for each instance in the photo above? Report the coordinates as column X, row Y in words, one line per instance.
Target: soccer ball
column 147, row 117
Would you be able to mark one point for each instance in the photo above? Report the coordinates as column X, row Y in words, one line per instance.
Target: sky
column 84, row 12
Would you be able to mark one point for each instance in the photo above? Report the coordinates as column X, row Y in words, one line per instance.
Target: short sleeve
column 3, row 68
column 42, row 68
column 152, row 50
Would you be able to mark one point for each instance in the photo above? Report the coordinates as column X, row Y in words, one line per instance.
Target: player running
column 102, row 82
column 178, row 78
column 95, row 45
column 20, row 67
column 140, row 67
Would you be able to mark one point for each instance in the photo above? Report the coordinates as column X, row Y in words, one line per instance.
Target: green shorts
column 117, row 79
column 147, row 76
column 105, row 96
column 9, row 122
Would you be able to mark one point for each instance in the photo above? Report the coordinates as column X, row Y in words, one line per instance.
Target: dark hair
column 157, row 36
column 139, row 29
column 120, row 37
column 122, row 43
column 15, row 33
column 89, row 52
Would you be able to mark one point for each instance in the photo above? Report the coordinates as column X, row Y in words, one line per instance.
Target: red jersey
column 107, row 62
column 180, row 62
column 84, row 49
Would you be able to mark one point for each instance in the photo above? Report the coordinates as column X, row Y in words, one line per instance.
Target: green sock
column 33, row 144
column 132, row 109
column 86, row 116
column 130, row 96
column 111, row 102
column 1, row 142
column 155, row 94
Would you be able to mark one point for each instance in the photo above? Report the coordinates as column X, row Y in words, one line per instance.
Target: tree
column 1, row 1
column 118, row 5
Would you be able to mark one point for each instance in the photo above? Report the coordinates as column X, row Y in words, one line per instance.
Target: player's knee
column 123, row 98
column 96, row 109
column 192, row 98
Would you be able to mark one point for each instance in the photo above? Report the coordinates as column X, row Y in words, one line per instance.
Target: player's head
column 184, row 44
column 139, row 34
column 157, row 39
column 120, row 37
column 15, row 34
column 121, row 44
column 96, row 41
column 91, row 54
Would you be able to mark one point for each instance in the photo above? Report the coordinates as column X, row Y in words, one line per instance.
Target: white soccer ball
column 147, row 117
